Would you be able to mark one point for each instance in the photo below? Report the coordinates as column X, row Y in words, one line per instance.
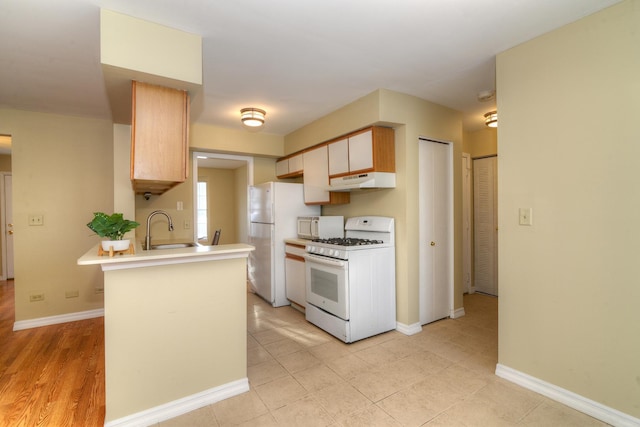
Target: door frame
column 3, row 227
column 202, row 155
column 453, row 313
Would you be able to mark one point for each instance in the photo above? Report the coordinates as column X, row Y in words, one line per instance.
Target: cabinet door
column 361, row 152
column 295, row 280
column 338, row 157
column 316, row 176
column 159, row 135
column 295, row 164
column 282, row 167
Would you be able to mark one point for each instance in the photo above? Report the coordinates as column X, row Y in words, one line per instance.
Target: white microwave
column 320, row 227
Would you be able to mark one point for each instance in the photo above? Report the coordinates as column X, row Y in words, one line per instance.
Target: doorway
column 435, row 206
column 485, row 221
column 6, row 198
column 243, row 167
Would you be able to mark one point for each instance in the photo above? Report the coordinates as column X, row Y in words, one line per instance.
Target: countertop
column 142, row 258
column 296, row 241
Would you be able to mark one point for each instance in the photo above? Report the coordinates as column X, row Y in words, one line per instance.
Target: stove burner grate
column 348, row 241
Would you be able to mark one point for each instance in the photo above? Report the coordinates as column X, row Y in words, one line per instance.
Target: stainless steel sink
column 174, row 245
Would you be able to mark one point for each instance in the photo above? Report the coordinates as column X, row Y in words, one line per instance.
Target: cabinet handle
column 433, row 243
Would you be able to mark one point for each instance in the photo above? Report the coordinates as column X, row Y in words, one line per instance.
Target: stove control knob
column 321, row 250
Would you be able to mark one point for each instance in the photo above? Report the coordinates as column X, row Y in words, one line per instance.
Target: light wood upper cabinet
column 290, row 167
column 316, row 179
column 159, row 137
column 370, row 150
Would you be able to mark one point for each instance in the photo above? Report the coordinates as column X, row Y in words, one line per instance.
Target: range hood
column 363, row 181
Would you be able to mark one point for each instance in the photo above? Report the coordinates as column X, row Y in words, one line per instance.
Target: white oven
column 350, row 281
column 327, row 284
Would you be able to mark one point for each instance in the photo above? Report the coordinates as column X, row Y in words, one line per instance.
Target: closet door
column 485, row 221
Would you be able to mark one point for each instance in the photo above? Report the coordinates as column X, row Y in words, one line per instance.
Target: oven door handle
column 323, row 260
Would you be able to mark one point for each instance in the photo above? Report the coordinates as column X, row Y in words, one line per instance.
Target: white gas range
column 351, row 291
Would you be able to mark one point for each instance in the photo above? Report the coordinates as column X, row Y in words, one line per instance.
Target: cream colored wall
column 569, row 284
column 205, row 137
column 481, row 143
column 221, row 185
column 168, row 202
column 242, row 204
column 63, row 170
column 411, row 117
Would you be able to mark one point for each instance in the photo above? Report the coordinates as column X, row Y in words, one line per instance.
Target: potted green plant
column 112, row 227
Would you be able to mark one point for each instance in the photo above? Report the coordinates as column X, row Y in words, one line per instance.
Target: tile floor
column 443, row 376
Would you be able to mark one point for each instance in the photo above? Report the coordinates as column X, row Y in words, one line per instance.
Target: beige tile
column 451, row 351
column 371, row 416
column 265, row 420
column 341, row 400
column 304, row 412
column 376, row 384
column 446, row 420
column 330, row 350
column 298, row 361
column 239, row 409
column 317, row 378
column 375, row 340
column 272, row 335
column 265, row 372
column 313, row 338
column 349, row 366
column 282, row 347
column 462, row 379
column 377, row 355
column 427, row 363
column 251, row 342
column 507, row 400
column 202, row 417
column 257, row 355
column 551, row 413
column 280, row 392
column 421, row 402
column 475, row 412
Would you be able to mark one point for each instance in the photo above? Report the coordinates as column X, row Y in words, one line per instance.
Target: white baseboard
column 458, row 312
column 566, row 397
column 53, row 320
column 408, row 329
column 181, row 406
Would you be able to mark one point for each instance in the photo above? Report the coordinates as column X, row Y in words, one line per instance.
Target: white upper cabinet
column 289, row 167
column 339, row 157
column 361, row 152
column 370, row 150
column 316, row 179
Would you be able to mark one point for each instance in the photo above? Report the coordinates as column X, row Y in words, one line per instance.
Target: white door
column 466, row 223
column 8, row 227
column 485, row 225
column 436, row 230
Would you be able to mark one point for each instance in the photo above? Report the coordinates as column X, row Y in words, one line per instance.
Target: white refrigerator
column 274, row 208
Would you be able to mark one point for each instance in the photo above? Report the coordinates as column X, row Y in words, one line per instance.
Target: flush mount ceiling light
column 491, row 119
column 252, row 117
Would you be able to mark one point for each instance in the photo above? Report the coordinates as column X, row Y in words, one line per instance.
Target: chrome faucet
column 147, row 238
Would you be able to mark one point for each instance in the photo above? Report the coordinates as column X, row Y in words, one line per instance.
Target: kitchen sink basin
column 174, row 245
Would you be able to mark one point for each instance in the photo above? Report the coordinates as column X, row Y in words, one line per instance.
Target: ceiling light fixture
column 491, row 119
column 252, row 117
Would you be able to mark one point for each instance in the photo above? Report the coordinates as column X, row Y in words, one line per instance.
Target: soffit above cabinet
column 171, row 58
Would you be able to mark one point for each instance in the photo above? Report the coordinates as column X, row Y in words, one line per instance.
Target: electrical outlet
column 72, row 294
column 36, row 297
column 187, row 224
column 525, row 216
column 36, row 219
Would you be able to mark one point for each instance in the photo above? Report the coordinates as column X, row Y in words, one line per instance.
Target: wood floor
column 52, row 375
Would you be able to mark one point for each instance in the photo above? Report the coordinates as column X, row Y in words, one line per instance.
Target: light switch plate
column 526, row 216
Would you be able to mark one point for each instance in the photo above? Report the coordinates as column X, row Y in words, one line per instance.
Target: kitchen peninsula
column 175, row 330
